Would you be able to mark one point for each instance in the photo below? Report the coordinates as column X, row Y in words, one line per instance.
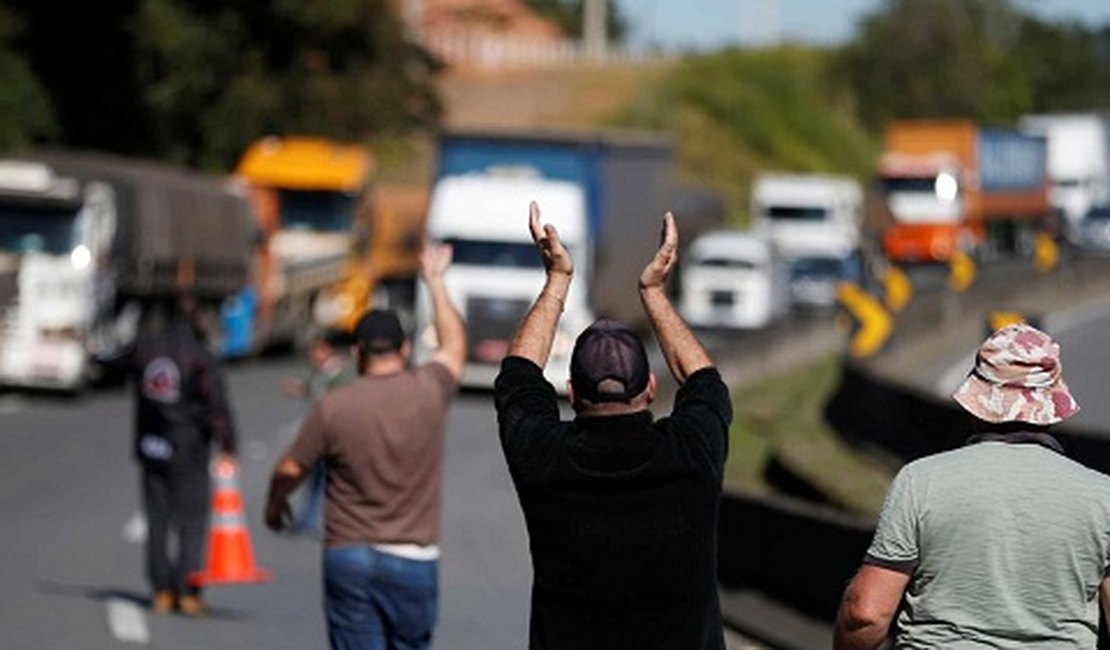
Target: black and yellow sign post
column 873, row 324
column 961, row 272
column 898, row 290
column 1046, row 254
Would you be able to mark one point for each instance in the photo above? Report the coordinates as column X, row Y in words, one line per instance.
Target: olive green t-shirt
column 382, row 440
column 1006, row 545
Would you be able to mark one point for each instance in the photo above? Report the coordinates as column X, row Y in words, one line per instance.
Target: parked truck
column 90, row 243
column 950, row 186
column 605, row 193
column 1078, row 162
column 310, row 201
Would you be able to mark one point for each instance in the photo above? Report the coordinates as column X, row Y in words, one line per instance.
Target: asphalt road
column 1085, row 353
column 71, row 578
column 71, row 569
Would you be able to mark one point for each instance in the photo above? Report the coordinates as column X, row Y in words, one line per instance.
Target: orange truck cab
column 946, row 185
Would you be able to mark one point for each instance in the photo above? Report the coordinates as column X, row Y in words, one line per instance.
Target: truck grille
column 721, row 298
column 491, row 324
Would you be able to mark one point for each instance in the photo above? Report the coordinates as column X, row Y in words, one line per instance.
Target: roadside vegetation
column 782, row 418
column 738, row 113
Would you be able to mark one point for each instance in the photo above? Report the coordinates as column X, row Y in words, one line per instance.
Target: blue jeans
column 378, row 601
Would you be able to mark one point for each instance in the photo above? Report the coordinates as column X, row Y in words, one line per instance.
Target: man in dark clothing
column 621, row 510
column 180, row 409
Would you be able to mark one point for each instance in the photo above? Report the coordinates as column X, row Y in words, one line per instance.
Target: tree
column 194, row 81
column 1068, row 66
column 217, row 74
column 25, row 110
column 938, row 58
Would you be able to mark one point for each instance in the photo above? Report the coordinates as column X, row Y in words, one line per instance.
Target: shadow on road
column 141, row 599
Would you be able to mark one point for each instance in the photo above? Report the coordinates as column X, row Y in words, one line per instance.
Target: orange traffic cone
column 230, row 558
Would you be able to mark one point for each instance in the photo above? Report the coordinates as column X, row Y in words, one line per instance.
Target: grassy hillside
column 737, row 113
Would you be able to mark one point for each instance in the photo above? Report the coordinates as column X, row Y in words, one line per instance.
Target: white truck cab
column 52, row 234
column 798, row 210
column 733, row 279
column 497, row 273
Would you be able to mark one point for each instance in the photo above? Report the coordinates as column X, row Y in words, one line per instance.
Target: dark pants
column 378, row 601
column 176, row 504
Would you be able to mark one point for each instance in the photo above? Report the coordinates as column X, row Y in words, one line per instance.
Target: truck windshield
column 796, row 213
column 809, row 267
column 927, row 185
column 34, row 229
column 726, row 263
column 316, row 211
column 470, row 252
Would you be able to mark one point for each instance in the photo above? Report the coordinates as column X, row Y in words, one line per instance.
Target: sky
column 708, row 24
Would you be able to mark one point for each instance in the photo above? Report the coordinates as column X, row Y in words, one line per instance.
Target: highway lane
column 69, row 489
column 1085, row 353
column 1084, row 338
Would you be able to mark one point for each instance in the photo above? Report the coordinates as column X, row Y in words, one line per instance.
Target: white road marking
column 257, row 450
column 134, row 531
column 126, row 621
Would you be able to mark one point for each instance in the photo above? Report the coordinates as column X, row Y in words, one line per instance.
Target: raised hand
column 434, row 260
column 657, row 271
column 555, row 257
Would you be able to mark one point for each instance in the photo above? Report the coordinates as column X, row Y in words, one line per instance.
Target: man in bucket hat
column 621, row 509
column 1003, row 543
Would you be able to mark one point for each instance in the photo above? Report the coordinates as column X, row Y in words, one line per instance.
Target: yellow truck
column 325, row 242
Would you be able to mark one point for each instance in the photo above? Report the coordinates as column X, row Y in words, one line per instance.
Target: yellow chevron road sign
column 898, row 289
column 874, row 323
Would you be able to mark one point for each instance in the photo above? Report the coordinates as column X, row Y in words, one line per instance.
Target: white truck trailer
column 1078, row 162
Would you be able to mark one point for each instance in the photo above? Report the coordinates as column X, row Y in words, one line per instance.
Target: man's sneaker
column 191, row 606
column 162, row 602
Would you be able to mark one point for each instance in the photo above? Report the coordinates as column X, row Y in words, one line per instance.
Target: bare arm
column 537, row 331
column 1106, row 602
column 288, row 474
column 450, row 330
column 684, row 354
column 868, row 608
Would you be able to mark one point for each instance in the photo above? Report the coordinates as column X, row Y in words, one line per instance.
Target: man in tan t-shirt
column 381, row 438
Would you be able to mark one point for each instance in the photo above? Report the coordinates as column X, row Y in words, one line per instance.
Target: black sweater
column 621, row 514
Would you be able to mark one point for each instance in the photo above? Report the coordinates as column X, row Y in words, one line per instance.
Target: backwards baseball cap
column 609, row 363
column 379, row 331
column 1017, row 378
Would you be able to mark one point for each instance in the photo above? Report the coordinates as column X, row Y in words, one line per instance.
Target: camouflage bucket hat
column 1017, row 378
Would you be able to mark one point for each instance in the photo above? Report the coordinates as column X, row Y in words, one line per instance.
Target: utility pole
column 594, row 28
